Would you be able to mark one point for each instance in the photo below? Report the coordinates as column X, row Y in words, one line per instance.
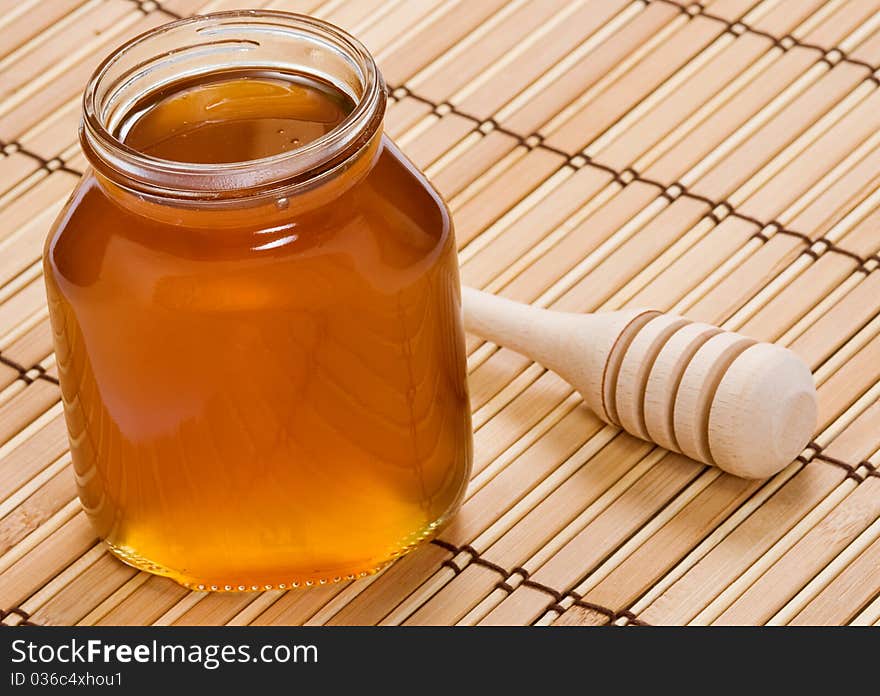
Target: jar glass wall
column 262, row 362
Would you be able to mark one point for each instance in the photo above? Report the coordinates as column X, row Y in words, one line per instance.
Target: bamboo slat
column 813, row 551
column 32, row 449
column 717, row 159
column 842, row 599
column 57, row 74
column 146, row 603
column 81, row 592
column 543, row 50
column 480, row 50
column 25, row 406
column 433, row 38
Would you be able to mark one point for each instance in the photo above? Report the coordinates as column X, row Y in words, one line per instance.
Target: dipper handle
column 713, row 395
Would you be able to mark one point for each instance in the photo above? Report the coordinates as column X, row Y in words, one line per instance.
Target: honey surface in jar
column 234, row 118
column 270, row 394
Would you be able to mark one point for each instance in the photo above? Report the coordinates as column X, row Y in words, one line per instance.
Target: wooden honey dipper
column 713, row 395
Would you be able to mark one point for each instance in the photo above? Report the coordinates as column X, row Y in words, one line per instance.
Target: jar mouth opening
column 206, row 44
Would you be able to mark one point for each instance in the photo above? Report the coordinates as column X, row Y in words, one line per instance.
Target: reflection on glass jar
column 258, row 332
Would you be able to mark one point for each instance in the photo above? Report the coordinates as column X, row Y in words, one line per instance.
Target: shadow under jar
column 255, row 302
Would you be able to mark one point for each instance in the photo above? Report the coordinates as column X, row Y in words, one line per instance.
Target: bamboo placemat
column 719, row 159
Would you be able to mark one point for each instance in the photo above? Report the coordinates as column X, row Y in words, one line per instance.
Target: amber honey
column 266, row 387
column 234, row 116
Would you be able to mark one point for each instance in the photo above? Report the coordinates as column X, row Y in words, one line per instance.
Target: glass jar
column 262, row 362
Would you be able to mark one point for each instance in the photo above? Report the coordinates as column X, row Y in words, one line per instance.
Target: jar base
column 135, row 560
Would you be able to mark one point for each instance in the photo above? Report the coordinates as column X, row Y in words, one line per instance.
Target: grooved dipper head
column 763, row 413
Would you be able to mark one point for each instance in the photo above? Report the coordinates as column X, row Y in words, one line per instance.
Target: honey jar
column 256, row 310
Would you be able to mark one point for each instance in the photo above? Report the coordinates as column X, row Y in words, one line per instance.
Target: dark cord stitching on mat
column 626, row 613
column 777, row 41
column 61, row 164
column 599, row 609
column 557, row 596
column 785, row 42
column 23, row 371
column 625, row 177
column 452, row 548
column 630, row 175
column 783, row 230
column 452, row 565
column 21, row 613
column 16, row 147
column 158, row 7
column 522, row 572
column 612, row 615
column 850, row 470
column 14, row 365
column 833, row 460
column 477, row 560
column 846, row 252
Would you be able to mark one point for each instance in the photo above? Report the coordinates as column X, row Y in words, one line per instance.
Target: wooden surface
column 719, row 160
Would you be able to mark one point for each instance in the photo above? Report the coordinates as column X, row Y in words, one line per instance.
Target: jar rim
column 131, row 168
